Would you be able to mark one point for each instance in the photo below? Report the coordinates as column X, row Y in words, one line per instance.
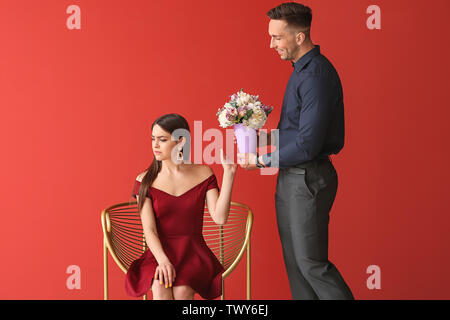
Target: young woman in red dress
column 171, row 198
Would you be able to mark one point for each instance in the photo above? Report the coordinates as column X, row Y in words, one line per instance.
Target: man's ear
column 300, row 37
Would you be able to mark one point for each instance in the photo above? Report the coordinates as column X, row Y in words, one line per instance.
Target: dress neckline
column 185, row 191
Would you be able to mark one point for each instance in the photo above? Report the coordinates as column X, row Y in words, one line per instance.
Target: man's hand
column 248, row 161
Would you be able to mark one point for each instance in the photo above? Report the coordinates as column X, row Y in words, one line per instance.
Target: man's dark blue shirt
column 312, row 117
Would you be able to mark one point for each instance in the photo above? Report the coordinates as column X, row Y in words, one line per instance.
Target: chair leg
column 222, row 297
column 248, row 272
column 105, row 270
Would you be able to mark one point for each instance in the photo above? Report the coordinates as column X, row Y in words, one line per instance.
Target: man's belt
column 311, row 163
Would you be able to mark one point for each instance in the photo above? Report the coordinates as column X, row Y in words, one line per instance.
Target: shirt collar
column 298, row 66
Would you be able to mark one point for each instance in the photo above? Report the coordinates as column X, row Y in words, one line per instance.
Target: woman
column 171, row 198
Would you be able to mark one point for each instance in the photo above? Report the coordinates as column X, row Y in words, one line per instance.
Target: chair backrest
column 229, row 241
column 124, row 237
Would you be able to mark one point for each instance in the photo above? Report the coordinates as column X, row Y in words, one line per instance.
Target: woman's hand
column 228, row 165
column 165, row 272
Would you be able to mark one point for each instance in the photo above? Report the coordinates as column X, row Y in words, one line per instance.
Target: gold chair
column 123, row 237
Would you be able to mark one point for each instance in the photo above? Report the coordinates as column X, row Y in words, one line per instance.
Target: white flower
column 231, row 110
column 243, row 100
column 223, row 121
column 258, row 118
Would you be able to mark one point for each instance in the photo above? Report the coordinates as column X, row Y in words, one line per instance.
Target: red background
column 77, row 106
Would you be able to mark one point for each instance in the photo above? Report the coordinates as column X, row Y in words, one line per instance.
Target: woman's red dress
column 179, row 222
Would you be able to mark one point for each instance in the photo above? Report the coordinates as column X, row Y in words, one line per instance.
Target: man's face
column 283, row 40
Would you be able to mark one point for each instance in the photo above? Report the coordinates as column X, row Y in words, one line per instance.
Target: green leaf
column 248, row 114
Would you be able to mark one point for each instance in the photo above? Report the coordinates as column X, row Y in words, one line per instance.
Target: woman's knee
column 183, row 293
column 160, row 292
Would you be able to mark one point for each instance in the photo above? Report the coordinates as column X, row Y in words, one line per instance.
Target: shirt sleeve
column 318, row 95
column 212, row 183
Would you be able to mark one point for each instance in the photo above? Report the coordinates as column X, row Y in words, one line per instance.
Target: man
column 311, row 128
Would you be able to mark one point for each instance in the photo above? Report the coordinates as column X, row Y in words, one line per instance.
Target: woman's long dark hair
column 168, row 122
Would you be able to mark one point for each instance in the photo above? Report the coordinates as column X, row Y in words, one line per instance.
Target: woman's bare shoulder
column 205, row 171
column 201, row 171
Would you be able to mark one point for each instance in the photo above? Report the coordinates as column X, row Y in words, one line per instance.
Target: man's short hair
column 297, row 16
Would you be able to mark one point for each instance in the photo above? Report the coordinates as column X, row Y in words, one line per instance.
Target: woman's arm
column 165, row 271
column 150, row 232
column 219, row 205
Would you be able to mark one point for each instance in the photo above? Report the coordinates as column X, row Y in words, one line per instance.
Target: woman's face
column 162, row 143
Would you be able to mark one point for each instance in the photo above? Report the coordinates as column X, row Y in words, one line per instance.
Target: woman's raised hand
column 165, row 273
column 227, row 164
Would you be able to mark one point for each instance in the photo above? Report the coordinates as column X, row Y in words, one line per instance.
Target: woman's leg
column 160, row 292
column 183, row 293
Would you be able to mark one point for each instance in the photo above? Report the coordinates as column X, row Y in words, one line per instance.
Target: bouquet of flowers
column 243, row 108
column 246, row 114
